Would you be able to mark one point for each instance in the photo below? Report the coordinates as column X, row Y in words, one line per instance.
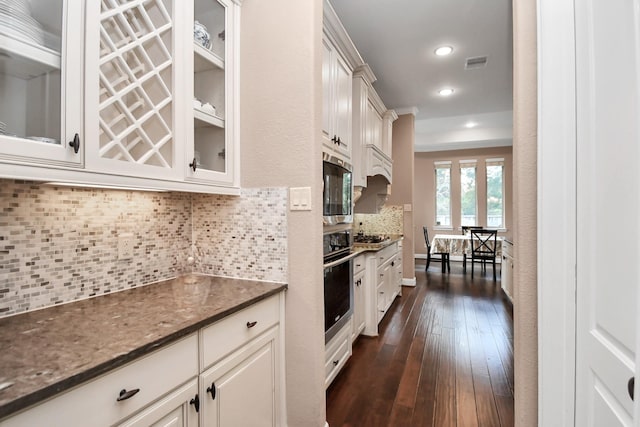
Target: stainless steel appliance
column 337, row 191
column 338, row 280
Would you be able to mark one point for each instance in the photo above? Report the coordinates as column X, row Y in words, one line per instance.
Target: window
column 495, row 193
column 443, row 194
column 468, row 195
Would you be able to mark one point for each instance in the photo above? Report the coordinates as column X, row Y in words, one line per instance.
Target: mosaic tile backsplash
column 388, row 221
column 59, row 244
column 242, row 237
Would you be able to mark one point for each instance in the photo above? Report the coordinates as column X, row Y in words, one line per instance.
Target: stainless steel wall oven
column 338, row 278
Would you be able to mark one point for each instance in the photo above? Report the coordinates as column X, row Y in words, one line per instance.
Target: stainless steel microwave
column 337, row 191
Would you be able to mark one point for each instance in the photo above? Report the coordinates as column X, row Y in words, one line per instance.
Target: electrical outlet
column 125, row 246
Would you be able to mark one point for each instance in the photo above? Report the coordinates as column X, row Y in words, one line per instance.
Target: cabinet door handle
column 195, row 402
column 392, row 263
column 75, row 144
column 251, row 324
column 212, row 390
column 334, row 139
column 124, row 394
column 335, row 362
column 193, row 165
column 630, row 386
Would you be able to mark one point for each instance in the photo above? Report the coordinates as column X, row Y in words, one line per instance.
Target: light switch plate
column 300, row 198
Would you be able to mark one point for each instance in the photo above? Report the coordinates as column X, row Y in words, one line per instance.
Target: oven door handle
column 341, row 260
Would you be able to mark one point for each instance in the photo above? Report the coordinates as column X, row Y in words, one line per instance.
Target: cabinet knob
column 75, row 144
column 193, row 165
column 124, row 394
column 195, row 402
column 212, row 390
column 251, row 324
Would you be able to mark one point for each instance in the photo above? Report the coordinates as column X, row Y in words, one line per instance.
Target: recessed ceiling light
column 470, row 125
column 443, row 50
column 445, row 92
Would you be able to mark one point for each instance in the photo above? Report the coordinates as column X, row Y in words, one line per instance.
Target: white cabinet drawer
column 95, row 403
column 221, row 338
column 385, row 254
column 359, row 264
column 338, row 351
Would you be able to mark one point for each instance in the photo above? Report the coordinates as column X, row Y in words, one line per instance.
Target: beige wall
column 424, row 207
column 402, row 187
column 281, row 104
column 525, row 311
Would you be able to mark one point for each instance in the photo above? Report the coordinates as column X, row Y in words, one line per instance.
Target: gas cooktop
column 370, row 240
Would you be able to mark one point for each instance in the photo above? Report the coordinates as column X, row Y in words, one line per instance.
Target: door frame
column 556, row 212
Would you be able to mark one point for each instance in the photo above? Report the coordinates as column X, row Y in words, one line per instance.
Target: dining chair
column 444, row 256
column 483, row 249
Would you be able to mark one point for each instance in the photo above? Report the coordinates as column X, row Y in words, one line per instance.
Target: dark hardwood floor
column 444, row 357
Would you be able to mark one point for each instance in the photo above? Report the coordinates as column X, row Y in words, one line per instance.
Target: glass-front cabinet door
column 210, row 148
column 41, row 82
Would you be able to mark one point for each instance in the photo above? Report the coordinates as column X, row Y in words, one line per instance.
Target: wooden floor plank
column 444, row 357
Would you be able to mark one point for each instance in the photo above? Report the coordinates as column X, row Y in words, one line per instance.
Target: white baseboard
column 408, row 282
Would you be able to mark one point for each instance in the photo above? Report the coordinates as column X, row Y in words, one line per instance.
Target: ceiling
column 397, row 38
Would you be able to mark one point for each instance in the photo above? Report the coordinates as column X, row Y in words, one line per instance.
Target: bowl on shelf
column 201, row 35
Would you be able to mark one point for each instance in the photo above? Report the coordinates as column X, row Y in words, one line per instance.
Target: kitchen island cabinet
column 84, row 356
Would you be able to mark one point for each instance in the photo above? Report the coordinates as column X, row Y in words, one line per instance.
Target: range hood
column 371, row 199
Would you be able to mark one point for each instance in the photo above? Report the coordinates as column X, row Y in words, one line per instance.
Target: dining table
column 459, row 245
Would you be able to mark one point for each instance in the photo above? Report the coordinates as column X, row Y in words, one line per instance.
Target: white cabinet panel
column 240, row 390
column 337, row 108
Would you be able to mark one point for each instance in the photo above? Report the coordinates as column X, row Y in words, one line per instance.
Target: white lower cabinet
column 239, row 381
column 178, row 409
column 359, row 286
column 241, row 389
column 384, row 280
column 506, row 269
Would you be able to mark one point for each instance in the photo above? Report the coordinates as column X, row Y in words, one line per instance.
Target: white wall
column 281, row 105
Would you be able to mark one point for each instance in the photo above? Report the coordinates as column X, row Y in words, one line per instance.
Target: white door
column 608, row 210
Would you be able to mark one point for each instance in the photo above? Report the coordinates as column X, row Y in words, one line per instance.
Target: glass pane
column 495, row 199
column 443, row 196
column 468, row 195
column 30, row 70
column 209, row 36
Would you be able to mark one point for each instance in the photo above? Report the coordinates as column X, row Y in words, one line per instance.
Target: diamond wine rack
column 136, row 67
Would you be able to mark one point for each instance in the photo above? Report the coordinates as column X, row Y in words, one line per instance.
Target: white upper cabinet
column 151, row 95
column 336, row 90
column 41, row 83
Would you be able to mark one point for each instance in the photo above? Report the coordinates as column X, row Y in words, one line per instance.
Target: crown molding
column 408, row 110
column 336, row 32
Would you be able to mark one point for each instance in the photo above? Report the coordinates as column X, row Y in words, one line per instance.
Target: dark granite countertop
column 48, row 351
